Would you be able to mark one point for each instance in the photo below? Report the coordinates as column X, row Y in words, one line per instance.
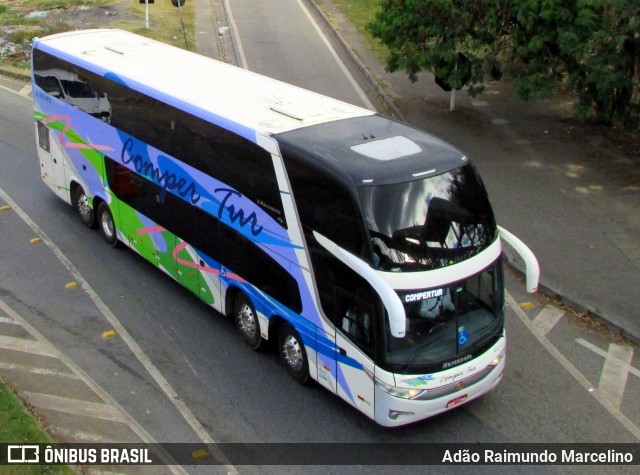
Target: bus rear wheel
column 106, row 225
column 292, row 353
column 83, row 207
column 247, row 321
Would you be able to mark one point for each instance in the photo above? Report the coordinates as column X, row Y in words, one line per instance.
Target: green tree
column 428, row 35
column 591, row 47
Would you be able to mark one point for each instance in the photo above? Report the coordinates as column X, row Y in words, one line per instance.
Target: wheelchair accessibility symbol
column 463, row 336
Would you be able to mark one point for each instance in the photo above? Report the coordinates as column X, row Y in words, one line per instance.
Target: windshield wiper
column 422, row 346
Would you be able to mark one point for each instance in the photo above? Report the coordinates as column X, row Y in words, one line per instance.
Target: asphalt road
column 174, row 348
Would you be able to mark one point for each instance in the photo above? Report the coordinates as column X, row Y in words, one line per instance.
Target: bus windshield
column 430, row 223
column 447, row 323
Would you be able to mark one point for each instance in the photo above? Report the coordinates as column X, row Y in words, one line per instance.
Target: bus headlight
column 496, row 361
column 403, row 393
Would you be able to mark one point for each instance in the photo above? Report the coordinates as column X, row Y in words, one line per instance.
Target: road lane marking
column 25, row 91
column 78, row 407
column 236, row 35
column 86, row 379
column 133, row 346
column 24, row 345
column 368, row 104
column 571, row 369
column 40, row 371
column 603, row 353
column 548, row 318
column 12, row 91
column 243, row 60
column 613, row 379
column 82, row 435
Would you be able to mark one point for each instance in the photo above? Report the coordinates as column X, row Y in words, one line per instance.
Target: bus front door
column 355, row 375
column 354, row 341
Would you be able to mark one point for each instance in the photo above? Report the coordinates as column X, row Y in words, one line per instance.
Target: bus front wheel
column 83, row 207
column 106, row 225
column 292, row 353
column 247, row 321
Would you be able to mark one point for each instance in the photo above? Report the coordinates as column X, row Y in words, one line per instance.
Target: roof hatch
column 388, row 149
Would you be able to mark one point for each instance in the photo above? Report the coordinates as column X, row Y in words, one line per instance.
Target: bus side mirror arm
column 390, row 299
column 532, row 268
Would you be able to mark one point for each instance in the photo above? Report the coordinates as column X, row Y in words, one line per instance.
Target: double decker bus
column 366, row 249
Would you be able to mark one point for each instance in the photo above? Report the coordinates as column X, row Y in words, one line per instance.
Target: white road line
column 368, row 104
column 25, row 91
column 27, row 346
column 81, row 435
column 603, row 353
column 236, row 35
column 106, row 397
column 548, row 318
column 120, row 330
column 12, row 91
column 41, row 371
column 572, row 370
column 243, row 60
column 78, row 407
column 8, row 320
column 613, row 379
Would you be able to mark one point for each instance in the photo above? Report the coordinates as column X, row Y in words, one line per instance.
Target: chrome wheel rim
column 247, row 321
column 107, row 224
column 292, row 353
column 83, row 207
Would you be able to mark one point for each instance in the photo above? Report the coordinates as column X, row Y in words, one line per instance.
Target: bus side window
column 346, row 298
column 254, row 264
column 43, row 137
column 356, row 318
column 326, row 207
column 50, row 85
column 121, row 179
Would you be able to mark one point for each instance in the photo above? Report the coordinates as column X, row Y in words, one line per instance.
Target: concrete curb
column 13, row 74
column 575, row 303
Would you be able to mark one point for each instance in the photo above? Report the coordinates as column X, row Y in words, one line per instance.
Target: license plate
column 456, row 401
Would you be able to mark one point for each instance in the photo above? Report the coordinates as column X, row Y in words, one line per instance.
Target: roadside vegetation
column 22, row 20
column 19, row 426
column 590, row 49
column 360, row 13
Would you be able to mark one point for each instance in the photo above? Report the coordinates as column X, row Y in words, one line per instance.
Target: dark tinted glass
column 326, row 207
column 214, row 150
column 346, row 298
column 429, row 223
column 205, row 233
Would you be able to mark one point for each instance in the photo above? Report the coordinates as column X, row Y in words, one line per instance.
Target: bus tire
column 106, row 225
column 247, row 321
column 83, row 208
column 292, row 353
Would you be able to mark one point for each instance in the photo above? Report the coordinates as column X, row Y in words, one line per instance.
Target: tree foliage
column 591, row 47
